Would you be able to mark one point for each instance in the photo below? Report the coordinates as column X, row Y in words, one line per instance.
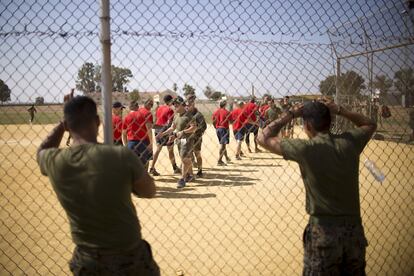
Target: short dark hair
column 80, row 112
column 133, row 105
column 167, row 99
column 318, row 115
column 223, row 103
column 179, row 100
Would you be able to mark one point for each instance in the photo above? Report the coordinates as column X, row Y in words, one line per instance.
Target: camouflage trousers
column 137, row 261
column 334, row 249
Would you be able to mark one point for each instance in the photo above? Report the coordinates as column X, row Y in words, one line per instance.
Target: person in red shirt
column 117, row 108
column 239, row 121
column 164, row 115
column 146, row 112
column 252, row 126
column 135, row 134
column 221, row 118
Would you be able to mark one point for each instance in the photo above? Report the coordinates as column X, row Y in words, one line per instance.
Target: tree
column 327, row 87
column 404, row 83
column 134, row 95
column 350, row 83
column 216, row 95
column 86, row 78
column 39, row 100
column 120, row 77
column 188, row 90
column 89, row 78
column 4, row 92
column 383, row 84
column 208, row 91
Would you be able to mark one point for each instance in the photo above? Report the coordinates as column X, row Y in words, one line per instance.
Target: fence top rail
column 410, row 42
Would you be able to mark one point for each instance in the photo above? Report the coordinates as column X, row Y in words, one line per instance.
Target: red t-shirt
column 147, row 115
column 239, row 118
column 250, row 111
column 117, row 127
column 221, row 116
column 263, row 110
column 134, row 124
column 164, row 115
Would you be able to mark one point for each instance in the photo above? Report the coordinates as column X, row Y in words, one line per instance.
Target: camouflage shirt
column 199, row 119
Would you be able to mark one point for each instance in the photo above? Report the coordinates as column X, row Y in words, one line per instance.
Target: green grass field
column 394, row 128
column 49, row 114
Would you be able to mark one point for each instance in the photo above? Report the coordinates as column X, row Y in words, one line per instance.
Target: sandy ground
column 243, row 219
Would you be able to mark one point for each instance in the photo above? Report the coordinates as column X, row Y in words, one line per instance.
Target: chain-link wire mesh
column 246, row 218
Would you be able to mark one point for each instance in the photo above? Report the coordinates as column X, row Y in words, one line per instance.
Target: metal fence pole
column 106, row 72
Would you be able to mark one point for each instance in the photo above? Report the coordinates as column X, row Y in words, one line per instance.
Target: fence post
column 106, row 72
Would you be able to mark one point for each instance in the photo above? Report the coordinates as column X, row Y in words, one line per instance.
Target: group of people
column 246, row 119
column 177, row 121
column 94, row 182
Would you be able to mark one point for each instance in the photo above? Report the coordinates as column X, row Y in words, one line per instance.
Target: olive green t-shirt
column 183, row 121
column 93, row 183
column 329, row 165
column 273, row 113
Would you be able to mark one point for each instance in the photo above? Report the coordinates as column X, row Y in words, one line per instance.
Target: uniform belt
column 335, row 220
column 106, row 251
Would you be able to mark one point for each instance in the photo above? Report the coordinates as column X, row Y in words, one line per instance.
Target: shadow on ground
column 210, row 179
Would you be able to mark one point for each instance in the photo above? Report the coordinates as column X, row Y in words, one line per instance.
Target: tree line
column 353, row 84
column 349, row 83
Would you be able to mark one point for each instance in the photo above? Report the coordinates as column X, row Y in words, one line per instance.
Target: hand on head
column 333, row 108
column 69, row 96
column 297, row 110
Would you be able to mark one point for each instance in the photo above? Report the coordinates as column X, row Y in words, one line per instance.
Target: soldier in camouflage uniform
column 198, row 117
column 103, row 219
column 182, row 128
column 272, row 113
column 334, row 239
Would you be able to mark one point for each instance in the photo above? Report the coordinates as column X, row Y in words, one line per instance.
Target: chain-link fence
column 246, row 218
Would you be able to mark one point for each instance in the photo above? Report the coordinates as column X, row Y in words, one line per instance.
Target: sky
column 278, row 47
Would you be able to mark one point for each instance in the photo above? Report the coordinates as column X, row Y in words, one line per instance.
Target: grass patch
column 16, row 118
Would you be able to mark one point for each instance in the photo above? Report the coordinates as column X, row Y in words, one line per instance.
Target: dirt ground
column 243, row 219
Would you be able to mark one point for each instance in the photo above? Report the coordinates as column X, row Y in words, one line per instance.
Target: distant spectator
column 385, row 113
column 411, row 123
column 32, row 110
column 374, row 111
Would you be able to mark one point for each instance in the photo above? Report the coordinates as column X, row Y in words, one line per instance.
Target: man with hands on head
column 93, row 183
column 334, row 239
